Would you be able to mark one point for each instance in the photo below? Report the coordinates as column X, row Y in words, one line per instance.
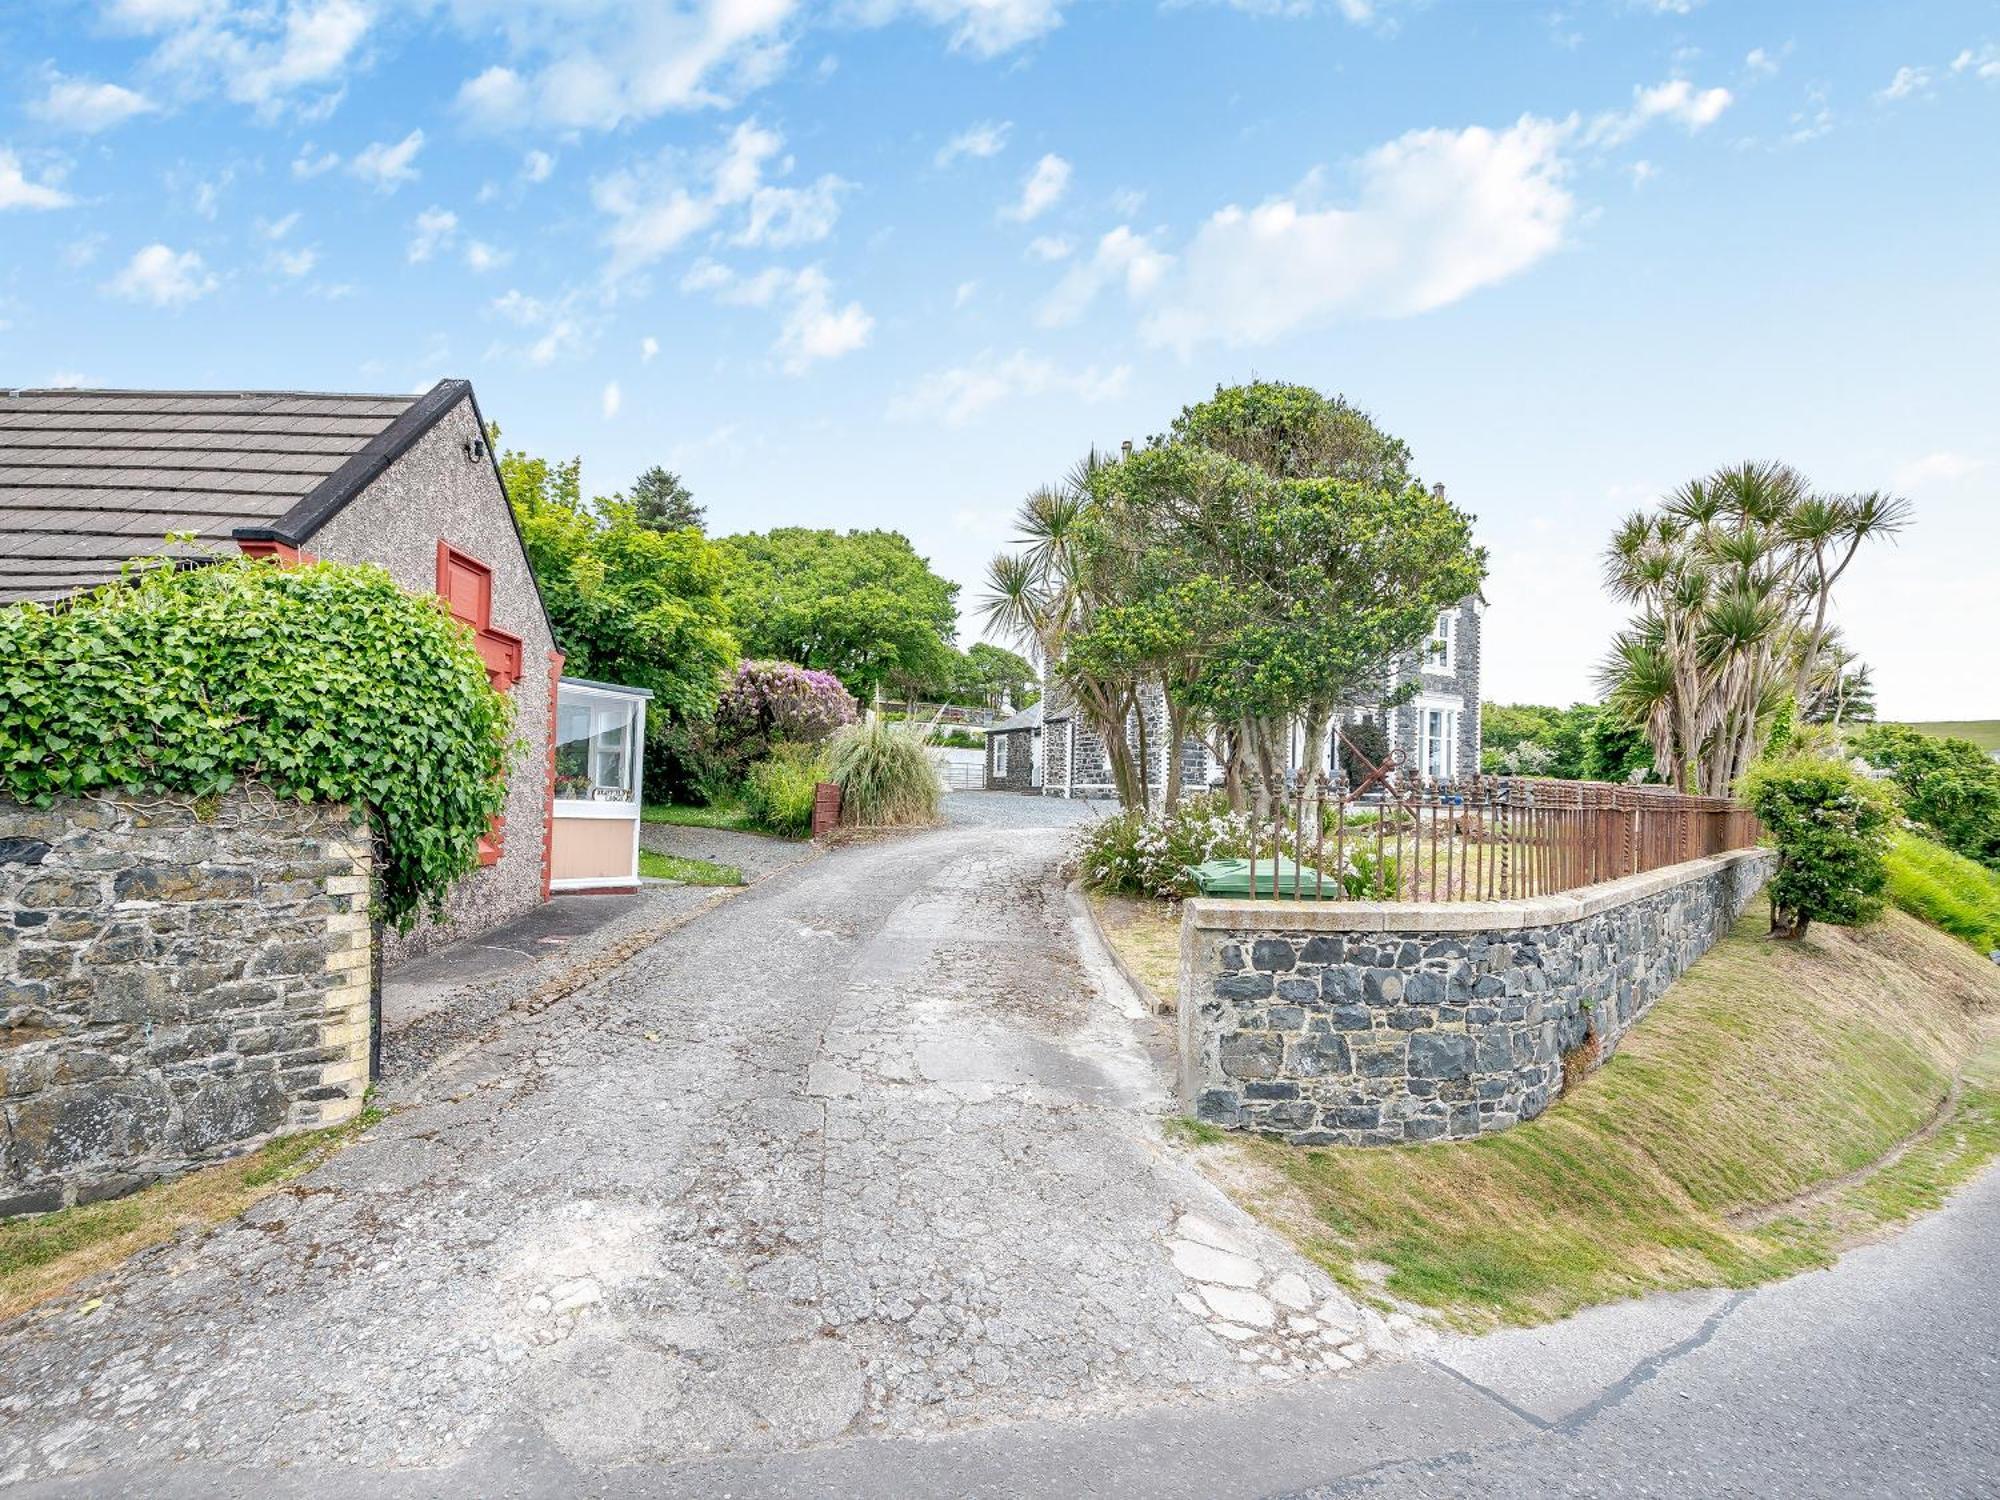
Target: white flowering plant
column 1149, row 854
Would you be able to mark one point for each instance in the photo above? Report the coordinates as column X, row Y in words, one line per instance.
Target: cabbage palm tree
column 1732, row 578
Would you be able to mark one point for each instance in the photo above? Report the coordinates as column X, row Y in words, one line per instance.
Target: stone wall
column 178, row 980
column 1356, row 1023
column 1022, row 747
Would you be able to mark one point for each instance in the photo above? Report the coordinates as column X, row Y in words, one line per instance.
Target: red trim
column 465, row 584
column 549, row 801
column 283, row 552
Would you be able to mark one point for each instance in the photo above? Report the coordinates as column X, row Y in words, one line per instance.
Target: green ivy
column 327, row 683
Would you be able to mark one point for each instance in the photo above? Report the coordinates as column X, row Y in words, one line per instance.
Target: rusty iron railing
column 1484, row 838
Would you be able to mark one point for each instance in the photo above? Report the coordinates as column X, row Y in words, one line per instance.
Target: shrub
column 1950, row 786
column 887, row 777
column 1832, row 827
column 1147, row 854
column 778, row 790
column 769, row 703
column 326, row 683
column 1947, row 890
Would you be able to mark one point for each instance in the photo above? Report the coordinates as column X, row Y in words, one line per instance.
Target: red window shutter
column 466, row 586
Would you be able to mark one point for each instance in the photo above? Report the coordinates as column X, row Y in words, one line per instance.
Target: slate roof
column 89, row 479
column 1028, row 718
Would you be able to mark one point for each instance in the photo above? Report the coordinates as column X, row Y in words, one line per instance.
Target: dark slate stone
column 1353, row 1116
column 1422, row 1130
column 1341, row 986
column 1440, row 1054
column 1383, row 987
column 1273, row 955
column 1270, row 1090
column 1493, row 1053
column 30, row 918
column 1249, row 1054
column 1217, row 1107
column 1407, row 1019
column 1322, row 950
column 1423, row 988
column 1445, row 948
column 1285, row 1018
column 1488, row 987
column 1379, row 1061
column 1299, row 990
column 1409, row 955
column 1353, row 1018
column 23, row 852
column 1243, row 986
column 41, row 1200
column 1320, row 1056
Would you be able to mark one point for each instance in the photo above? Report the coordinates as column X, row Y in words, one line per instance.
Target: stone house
column 92, row 479
column 1014, row 752
column 1435, row 733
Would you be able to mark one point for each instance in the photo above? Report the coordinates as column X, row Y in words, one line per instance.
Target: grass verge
column 687, row 871
column 1730, row 1140
column 1946, row 889
column 1985, row 733
column 730, row 815
column 43, row 1258
column 1147, row 935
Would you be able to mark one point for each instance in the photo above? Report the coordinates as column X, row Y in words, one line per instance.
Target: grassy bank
column 1738, row 1135
column 1946, row 889
column 687, row 871
column 1985, row 733
column 43, row 1258
column 1147, row 935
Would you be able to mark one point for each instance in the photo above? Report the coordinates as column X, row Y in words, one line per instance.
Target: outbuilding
column 90, row 479
column 1014, row 752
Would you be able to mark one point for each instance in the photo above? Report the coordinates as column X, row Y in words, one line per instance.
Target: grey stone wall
column 434, row 492
column 1055, row 751
column 1362, row 1024
column 1022, row 746
column 178, row 980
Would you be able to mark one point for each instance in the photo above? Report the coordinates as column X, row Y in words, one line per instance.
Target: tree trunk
column 1177, row 718
column 1788, row 924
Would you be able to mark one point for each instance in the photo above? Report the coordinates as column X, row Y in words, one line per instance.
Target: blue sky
column 894, row 262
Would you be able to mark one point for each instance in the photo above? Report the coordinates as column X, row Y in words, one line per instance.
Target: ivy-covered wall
column 179, row 979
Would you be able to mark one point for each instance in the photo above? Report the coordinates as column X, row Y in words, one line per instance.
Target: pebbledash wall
column 1374, row 1024
column 178, row 980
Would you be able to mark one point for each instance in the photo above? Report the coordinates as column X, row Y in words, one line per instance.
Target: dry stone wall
column 178, row 981
column 1361, row 1024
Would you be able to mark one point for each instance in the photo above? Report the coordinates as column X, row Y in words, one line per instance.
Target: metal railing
column 1485, row 838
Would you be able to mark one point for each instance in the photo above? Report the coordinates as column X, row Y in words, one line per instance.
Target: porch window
column 595, row 735
column 1000, row 744
column 1437, row 743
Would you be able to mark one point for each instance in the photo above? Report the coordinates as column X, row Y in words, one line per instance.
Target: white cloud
column 256, row 54
column 434, row 229
column 537, row 166
column 1438, row 214
column 988, row 138
column 1120, row 256
column 294, row 263
column 308, row 163
column 85, row 105
column 481, row 257
column 599, row 66
column 1985, row 63
column 965, row 293
column 1676, row 100
column 277, row 229
column 1049, row 247
column 69, row 380
column 987, row 27
column 388, row 166
column 655, row 207
column 613, row 400
column 163, row 277
column 1044, row 185
column 208, row 192
column 1908, row 81
column 82, row 250
column 813, row 328
column 956, row 395
column 649, row 348
column 1642, row 172
column 17, row 192
column 1761, row 60
column 517, row 307
column 1935, row 469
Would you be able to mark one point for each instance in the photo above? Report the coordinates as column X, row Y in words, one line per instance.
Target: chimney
column 1125, row 448
column 1437, row 492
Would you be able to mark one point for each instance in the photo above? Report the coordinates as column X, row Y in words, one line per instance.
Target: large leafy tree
column 630, row 603
column 1732, row 577
column 860, row 604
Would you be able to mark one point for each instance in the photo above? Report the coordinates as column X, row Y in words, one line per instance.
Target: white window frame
column 1000, row 743
column 1451, row 708
column 1441, row 650
column 584, row 807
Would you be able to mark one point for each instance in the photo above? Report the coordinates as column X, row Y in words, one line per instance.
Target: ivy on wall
column 325, row 682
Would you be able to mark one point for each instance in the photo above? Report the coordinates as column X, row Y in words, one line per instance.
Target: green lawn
column 1712, row 1150
column 687, row 871
column 730, row 815
column 1985, row 733
column 1947, row 890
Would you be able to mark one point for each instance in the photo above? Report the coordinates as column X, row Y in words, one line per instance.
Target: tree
column 859, row 604
column 660, row 502
column 629, row 603
column 1949, row 786
column 1832, row 829
column 1844, row 693
column 1732, row 577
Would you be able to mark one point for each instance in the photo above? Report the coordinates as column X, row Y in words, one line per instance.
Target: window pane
column 594, row 750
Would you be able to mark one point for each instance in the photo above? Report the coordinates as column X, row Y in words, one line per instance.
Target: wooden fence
column 1488, row 838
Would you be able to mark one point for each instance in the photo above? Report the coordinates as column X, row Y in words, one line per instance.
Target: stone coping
column 1205, row 913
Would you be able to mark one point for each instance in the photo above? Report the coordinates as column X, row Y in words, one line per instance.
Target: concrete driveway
column 869, row 1150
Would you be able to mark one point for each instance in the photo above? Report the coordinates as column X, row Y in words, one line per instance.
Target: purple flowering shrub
column 779, row 703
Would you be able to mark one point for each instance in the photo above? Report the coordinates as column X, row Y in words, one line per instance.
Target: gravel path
column 1019, row 810
column 870, row 1149
column 755, row 854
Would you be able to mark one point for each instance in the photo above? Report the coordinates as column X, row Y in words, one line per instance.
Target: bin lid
column 1231, row 877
